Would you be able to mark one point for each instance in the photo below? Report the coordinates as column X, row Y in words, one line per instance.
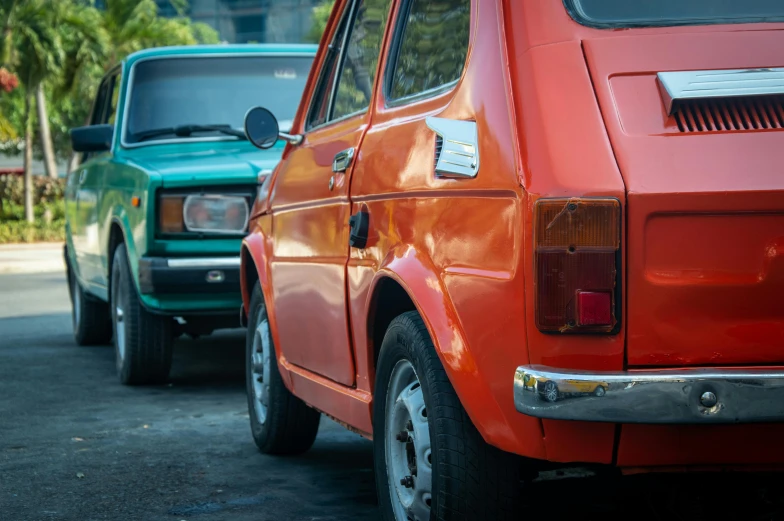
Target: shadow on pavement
column 688, row 496
column 184, row 450
column 214, row 360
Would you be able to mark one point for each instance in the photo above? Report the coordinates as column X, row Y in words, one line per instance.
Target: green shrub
column 49, row 210
column 45, row 189
column 22, row 231
column 15, row 212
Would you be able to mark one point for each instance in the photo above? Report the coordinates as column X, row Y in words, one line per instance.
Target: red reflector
column 594, row 309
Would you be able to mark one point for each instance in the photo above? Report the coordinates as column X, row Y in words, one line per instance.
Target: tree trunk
column 46, row 136
column 7, row 44
column 28, row 159
column 74, row 162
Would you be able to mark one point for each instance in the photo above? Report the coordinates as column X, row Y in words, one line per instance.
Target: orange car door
column 310, row 202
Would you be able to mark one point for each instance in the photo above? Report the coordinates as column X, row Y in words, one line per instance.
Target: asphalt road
column 76, row 445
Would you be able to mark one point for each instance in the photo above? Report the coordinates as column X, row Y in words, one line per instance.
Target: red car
column 511, row 234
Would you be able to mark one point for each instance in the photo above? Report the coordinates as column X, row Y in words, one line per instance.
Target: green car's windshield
column 199, row 92
column 637, row 13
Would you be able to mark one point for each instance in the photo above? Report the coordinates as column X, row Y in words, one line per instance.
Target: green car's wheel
column 91, row 321
column 143, row 341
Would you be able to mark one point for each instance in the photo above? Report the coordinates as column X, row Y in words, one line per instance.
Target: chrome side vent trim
column 457, row 151
column 735, row 83
column 439, row 148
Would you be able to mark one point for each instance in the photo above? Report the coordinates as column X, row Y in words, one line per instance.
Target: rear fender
column 418, row 276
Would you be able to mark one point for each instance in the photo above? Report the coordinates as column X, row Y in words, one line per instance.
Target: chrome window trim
column 129, row 91
column 190, row 197
column 708, row 84
column 205, row 262
column 421, row 96
column 338, row 120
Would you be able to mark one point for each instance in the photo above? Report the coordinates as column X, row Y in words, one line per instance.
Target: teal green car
column 160, row 201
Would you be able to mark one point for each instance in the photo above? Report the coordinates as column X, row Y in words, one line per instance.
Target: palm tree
column 318, row 20
column 133, row 25
column 31, row 28
column 18, row 17
column 67, row 45
column 96, row 40
column 6, row 17
column 87, row 50
column 7, row 131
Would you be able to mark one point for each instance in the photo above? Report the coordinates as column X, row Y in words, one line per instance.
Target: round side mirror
column 261, row 127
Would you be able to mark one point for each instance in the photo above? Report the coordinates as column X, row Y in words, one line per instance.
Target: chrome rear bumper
column 698, row 396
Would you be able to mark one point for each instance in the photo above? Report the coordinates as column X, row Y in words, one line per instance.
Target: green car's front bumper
column 190, row 285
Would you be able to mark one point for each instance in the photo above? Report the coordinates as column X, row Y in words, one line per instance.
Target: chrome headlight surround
column 218, row 207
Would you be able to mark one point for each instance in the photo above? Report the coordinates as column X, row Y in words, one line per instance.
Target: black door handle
column 359, row 224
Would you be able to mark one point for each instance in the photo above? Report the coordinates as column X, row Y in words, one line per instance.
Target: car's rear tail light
column 576, row 245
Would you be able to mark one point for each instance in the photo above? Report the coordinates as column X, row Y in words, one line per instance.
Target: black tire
column 600, row 391
column 92, row 324
column 472, row 480
column 290, row 426
column 143, row 342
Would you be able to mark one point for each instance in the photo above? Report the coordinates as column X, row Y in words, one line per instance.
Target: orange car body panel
column 562, row 110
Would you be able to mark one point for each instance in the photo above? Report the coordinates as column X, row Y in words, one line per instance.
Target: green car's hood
column 205, row 164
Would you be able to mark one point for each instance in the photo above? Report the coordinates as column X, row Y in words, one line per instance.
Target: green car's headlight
column 215, row 213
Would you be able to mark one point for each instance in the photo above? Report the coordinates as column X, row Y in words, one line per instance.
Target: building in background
column 245, row 21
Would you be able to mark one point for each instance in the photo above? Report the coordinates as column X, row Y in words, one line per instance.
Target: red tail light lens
column 576, row 245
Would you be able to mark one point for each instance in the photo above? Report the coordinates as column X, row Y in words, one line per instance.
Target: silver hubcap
column 77, row 302
column 119, row 321
column 551, row 391
column 407, row 446
column 260, row 368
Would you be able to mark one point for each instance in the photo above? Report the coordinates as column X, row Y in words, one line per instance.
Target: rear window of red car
column 645, row 13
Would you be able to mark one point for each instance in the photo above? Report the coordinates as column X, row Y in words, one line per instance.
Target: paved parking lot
column 76, row 445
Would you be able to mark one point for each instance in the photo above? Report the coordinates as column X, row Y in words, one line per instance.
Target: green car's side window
column 101, row 99
column 105, row 105
column 98, row 114
column 116, row 81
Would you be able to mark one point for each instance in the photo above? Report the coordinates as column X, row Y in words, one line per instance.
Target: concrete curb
column 31, row 258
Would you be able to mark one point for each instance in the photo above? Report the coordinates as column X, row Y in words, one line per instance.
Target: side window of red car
column 429, row 49
column 347, row 77
column 360, row 62
column 319, row 107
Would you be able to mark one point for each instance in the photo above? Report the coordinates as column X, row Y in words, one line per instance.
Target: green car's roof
column 245, row 48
